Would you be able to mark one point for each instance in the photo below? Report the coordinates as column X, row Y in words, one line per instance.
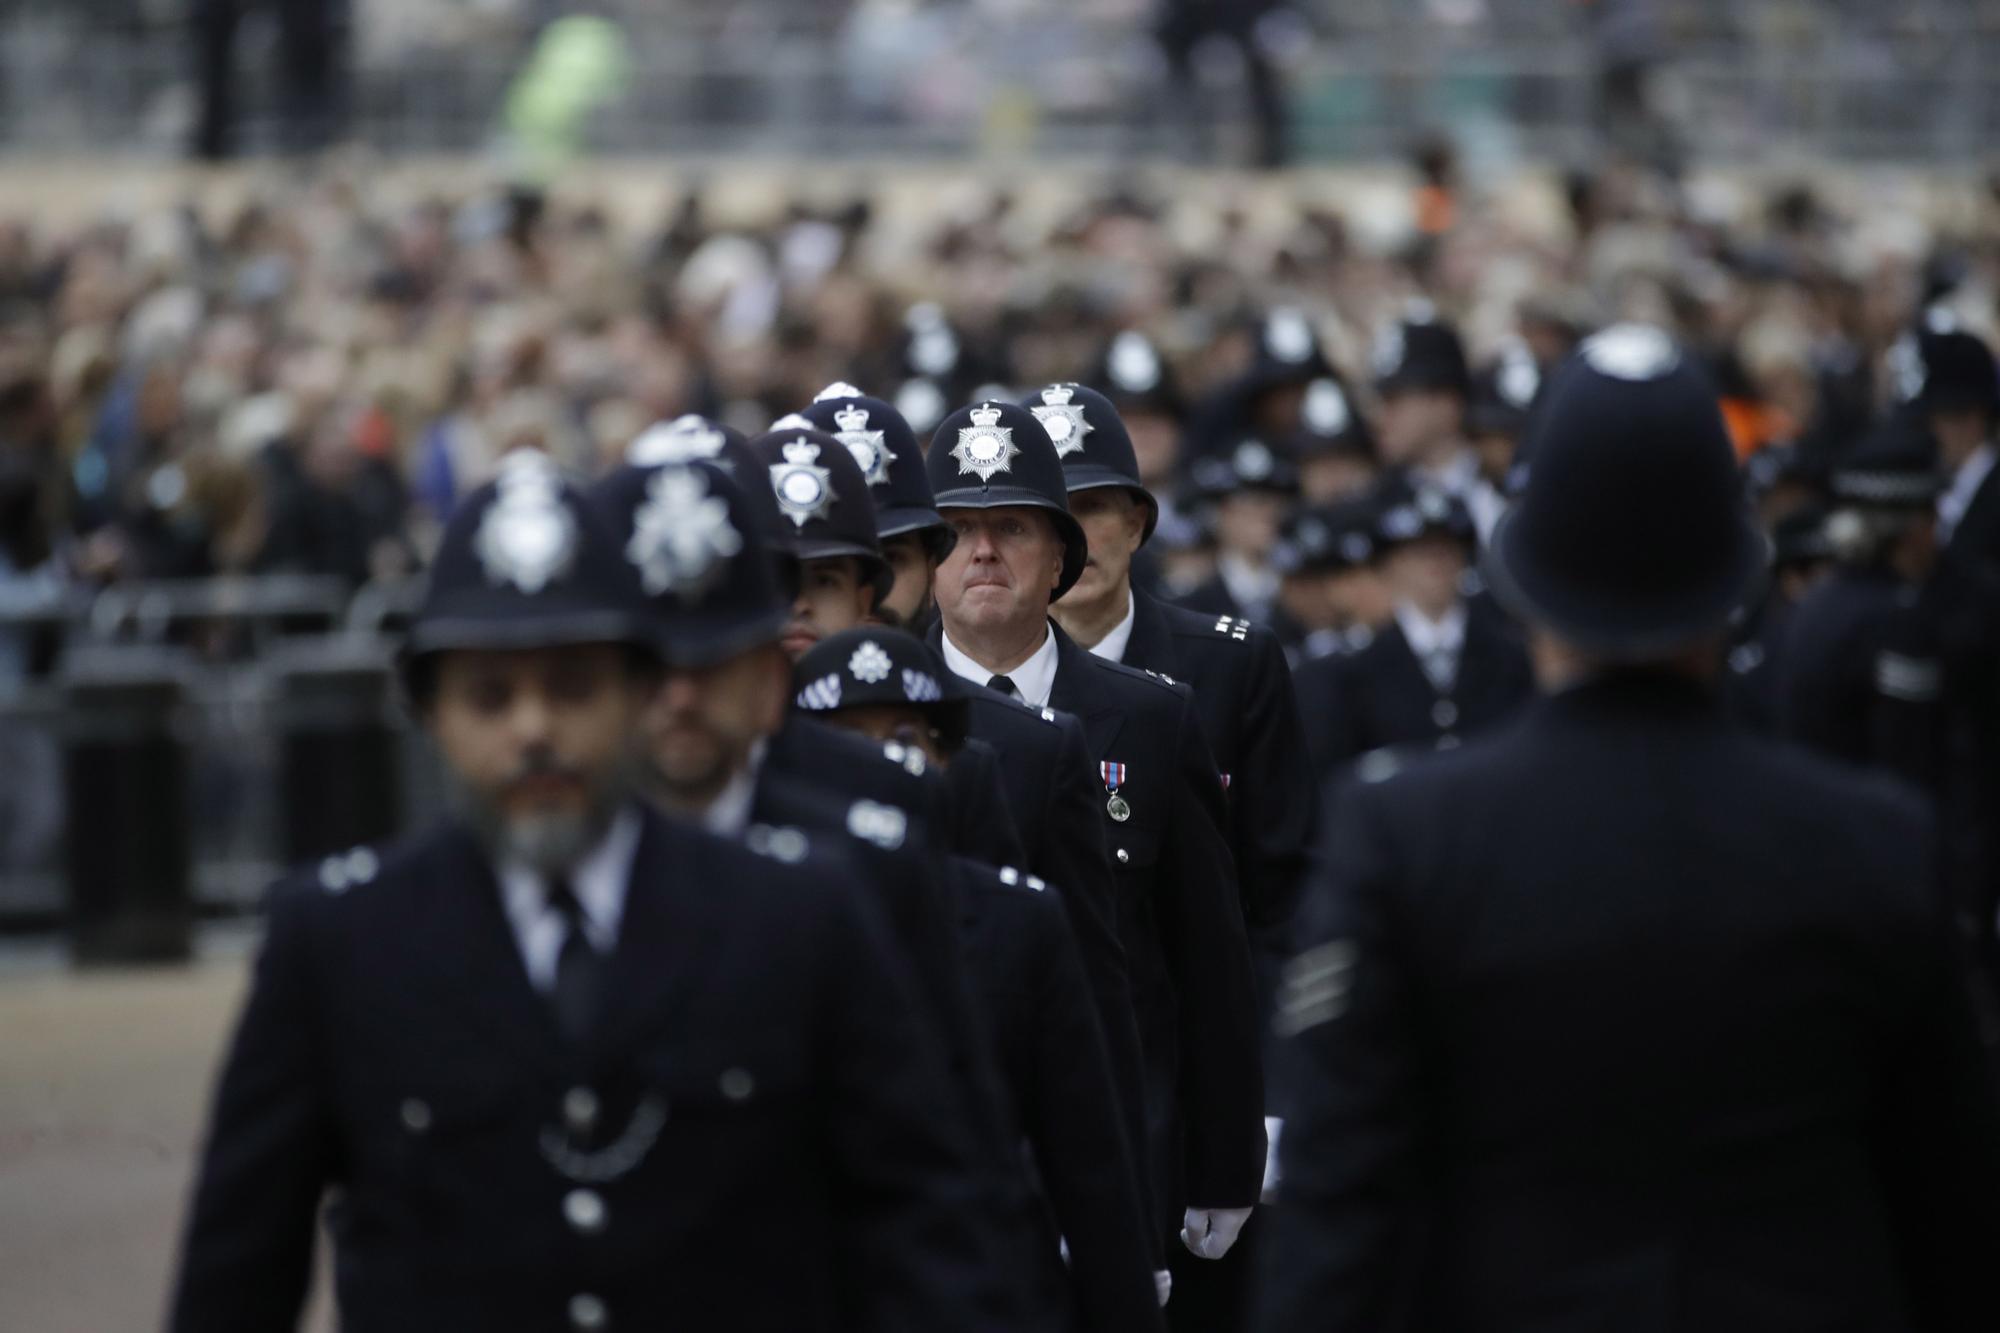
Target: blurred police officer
column 1946, row 374
column 999, row 482
column 1801, row 558
column 823, row 494
column 914, row 539
column 533, row 1050
column 1334, row 548
column 1424, row 383
column 1444, row 666
column 1249, row 489
column 1242, row 695
column 1039, row 1014
column 1624, row 1018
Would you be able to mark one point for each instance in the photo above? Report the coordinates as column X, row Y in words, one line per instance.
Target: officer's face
column 909, row 599
column 1114, row 522
column 832, row 597
column 701, row 724
column 1360, row 596
column 1415, row 421
column 1247, row 522
column 1327, row 478
column 1425, row 573
column 538, row 741
column 890, row 722
column 1496, row 455
column 1004, row 569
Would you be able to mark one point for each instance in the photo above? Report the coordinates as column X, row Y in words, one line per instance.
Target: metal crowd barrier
column 192, row 742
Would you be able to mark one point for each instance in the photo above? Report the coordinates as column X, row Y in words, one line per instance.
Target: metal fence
column 1742, row 80
column 250, row 661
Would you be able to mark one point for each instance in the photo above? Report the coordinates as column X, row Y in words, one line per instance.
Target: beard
column 549, row 843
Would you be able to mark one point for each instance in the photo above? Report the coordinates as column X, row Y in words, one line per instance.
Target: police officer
column 1333, row 445
column 1801, row 558
column 533, row 1050
column 913, row 538
column 1443, row 666
column 1946, row 374
column 1623, row 1017
column 1242, row 695
column 823, row 494
column 1424, row 383
column 1022, row 961
column 999, row 482
column 1250, row 488
column 690, row 439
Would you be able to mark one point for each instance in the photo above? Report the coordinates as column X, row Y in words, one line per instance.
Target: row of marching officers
column 823, row 935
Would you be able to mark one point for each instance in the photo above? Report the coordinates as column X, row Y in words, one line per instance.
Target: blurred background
column 281, row 280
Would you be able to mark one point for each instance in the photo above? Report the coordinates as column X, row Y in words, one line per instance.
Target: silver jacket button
column 587, row 1312
column 416, row 1115
column 579, row 1110
column 585, row 1211
column 1123, row 856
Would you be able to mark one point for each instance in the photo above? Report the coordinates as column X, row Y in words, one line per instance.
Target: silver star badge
column 804, row 489
column 681, row 535
column 1063, row 420
column 870, row 454
column 528, row 536
column 985, row 447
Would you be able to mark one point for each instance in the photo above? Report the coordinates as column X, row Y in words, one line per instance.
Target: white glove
column 1163, row 1282
column 1273, row 1126
column 1209, row 1232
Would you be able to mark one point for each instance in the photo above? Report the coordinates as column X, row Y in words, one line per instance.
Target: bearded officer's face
column 538, row 744
column 1004, row 569
column 701, row 725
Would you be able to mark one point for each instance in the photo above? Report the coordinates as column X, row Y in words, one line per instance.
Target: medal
column 1117, row 807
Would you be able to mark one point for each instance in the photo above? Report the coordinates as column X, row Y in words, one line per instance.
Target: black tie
column 1004, row 684
column 578, row 968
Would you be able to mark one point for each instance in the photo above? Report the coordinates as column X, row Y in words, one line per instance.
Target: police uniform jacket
column 1388, row 700
column 1243, row 697
column 1031, row 990
column 981, row 822
column 1626, row 1019
column 755, row 1133
column 1053, row 802
column 871, row 806
column 1182, row 924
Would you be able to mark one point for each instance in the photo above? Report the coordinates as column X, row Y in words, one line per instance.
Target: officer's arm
column 1076, row 864
column 1208, row 953
column 1090, row 1171
column 910, row 1217
column 981, row 821
column 1937, row 1134
column 1824, row 690
column 246, row 1255
column 1342, row 1232
column 1273, row 794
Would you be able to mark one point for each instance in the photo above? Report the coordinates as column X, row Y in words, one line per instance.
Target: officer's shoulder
column 1015, row 712
column 365, row 872
column 1136, row 678
column 1219, row 632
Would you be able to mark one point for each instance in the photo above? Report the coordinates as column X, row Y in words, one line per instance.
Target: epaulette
column 780, row 843
column 1016, row 879
column 913, row 760
column 347, row 870
column 1232, row 627
column 1378, row 765
column 883, row 825
column 1158, row 675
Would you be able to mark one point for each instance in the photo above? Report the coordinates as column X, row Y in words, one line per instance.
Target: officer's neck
column 999, row 648
column 1089, row 621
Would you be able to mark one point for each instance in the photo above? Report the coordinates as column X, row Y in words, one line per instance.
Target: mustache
column 542, row 763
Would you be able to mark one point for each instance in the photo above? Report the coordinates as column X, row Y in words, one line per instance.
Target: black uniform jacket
column 1053, row 802
column 1182, row 924
column 878, row 808
column 1038, row 1008
column 1623, row 1018
column 758, row 1135
column 1387, row 700
column 1243, row 696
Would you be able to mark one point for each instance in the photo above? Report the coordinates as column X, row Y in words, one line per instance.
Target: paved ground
column 104, row 1080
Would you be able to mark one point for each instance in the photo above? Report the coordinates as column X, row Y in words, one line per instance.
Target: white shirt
column 1460, row 476
column 1436, row 643
column 1951, row 506
column 599, row 881
column 729, row 813
column 1112, row 646
column 1033, row 680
